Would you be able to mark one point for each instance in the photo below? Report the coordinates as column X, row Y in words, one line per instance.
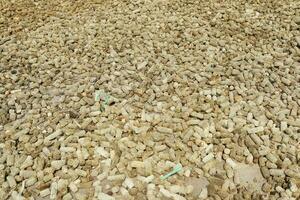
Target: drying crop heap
column 211, row 87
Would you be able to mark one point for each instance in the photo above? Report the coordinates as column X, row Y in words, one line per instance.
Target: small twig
column 77, row 123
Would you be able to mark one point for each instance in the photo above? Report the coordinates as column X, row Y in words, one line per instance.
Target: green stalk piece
column 175, row 170
column 97, row 95
column 105, row 103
